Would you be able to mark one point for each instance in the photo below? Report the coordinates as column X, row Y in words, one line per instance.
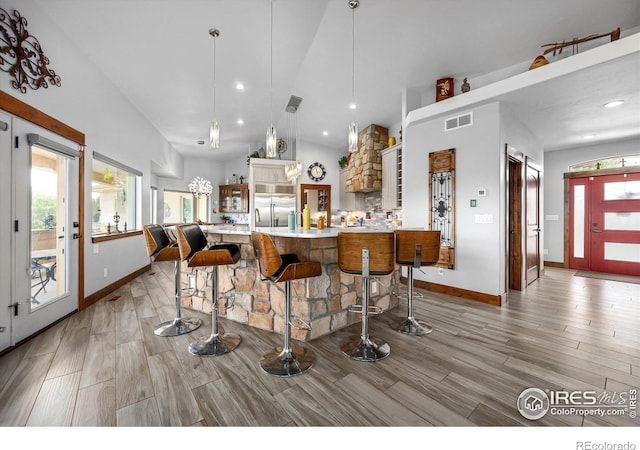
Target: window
column 618, row 161
column 153, row 204
column 201, row 208
column 178, row 207
column 113, row 196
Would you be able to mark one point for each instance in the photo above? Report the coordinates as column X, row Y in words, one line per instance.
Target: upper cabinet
column 349, row 201
column 392, row 177
column 268, row 172
column 234, row 198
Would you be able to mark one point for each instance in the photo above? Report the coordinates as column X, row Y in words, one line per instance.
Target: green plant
column 253, row 155
column 343, row 162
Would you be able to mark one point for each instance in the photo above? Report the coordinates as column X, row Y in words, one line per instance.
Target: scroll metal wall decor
column 442, row 184
column 21, row 55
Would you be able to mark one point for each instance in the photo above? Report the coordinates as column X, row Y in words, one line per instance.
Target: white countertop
column 297, row 233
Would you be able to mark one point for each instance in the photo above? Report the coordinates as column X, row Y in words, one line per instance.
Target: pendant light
column 214, row 131
column 353, row 128
column 271, row 131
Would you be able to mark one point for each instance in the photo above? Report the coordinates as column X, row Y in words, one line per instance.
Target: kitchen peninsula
column 321, row 301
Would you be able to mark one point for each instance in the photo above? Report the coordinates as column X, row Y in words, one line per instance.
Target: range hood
column 364, row 172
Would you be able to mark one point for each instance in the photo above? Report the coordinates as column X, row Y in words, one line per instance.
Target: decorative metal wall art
column 442, row 185
column 21, row 55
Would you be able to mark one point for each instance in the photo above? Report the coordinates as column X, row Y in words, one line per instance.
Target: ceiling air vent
column 463, row 120
column 294, row 103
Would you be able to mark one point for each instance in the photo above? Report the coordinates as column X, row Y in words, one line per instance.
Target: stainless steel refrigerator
column 272, row 203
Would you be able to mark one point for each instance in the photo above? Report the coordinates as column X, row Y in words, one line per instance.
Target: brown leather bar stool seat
column 287, row 360
column 195, row 249
column 415, row 249
column 161, row 247
column 366, row 254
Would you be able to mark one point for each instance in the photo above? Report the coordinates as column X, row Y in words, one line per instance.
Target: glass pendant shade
column 214, row 134
column 271, row 142
column 353, row 137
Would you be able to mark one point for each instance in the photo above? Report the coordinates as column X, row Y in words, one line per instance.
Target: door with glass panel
column 605, row 224
column 46, row 233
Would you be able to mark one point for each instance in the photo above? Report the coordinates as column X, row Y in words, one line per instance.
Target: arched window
column 606, row 163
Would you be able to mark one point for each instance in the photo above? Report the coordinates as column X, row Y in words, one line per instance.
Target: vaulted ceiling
column 160, row 55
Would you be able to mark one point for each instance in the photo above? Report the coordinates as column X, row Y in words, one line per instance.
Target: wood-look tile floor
column 105, row 367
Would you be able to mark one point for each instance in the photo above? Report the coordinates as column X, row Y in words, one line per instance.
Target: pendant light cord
column 271, row 60
column 214, row 78
column 353, row 55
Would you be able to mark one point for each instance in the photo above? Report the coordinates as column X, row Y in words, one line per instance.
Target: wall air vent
column 463, row 120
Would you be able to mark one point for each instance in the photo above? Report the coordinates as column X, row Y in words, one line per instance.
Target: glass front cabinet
column 234, row 198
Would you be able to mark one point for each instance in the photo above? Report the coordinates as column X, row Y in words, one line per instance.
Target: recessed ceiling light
column 352, row 106
column 240, row 122
column 240, row 86
column 614, row 103
column 325, row 133
column 588, row 136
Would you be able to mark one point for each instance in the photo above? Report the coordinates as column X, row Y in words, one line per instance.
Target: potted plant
column 343, row 162
column 225, row 218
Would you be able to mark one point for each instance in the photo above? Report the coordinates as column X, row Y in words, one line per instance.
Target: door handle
column 596, row 231
column 15, row 308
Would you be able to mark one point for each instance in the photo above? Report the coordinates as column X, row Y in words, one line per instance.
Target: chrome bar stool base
column 176, row 327
column 215, row 345
column 369, row 349
column 287, row 363
column 411, row 326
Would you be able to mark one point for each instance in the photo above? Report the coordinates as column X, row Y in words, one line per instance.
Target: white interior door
column 45, row 250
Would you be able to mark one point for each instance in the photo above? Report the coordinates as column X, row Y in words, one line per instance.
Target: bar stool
column 194, row 249
column 366, row 254
column 287, row 360
column 414, row 249
column 161, row 247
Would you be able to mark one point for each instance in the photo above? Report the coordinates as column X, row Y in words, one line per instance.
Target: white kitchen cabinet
column 268, row 171
column 349, row 201
column 392, row 177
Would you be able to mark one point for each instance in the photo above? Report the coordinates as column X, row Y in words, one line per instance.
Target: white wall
column 88, row 102
column 479, row 248
column 556, row 163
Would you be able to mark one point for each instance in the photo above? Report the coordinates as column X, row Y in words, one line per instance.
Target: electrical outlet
column 374, row 288
column 96, row 249
column 105, row 272
column 440, row 271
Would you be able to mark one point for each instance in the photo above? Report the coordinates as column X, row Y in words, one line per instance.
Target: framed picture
column 444, row 88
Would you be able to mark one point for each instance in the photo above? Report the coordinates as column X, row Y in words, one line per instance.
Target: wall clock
column 316, row 171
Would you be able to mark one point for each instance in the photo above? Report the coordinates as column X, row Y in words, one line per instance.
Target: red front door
column 605, row 224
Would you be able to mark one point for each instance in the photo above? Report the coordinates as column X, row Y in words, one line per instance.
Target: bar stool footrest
column 373, row 310
column 231, row 301
column 288, row 363
column 296, row 321
column 177, row 327
column 365, row 349
column 215, row 345
column 187, row 292
column 410, row 326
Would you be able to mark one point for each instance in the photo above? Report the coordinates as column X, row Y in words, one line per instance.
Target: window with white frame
column 113, row 196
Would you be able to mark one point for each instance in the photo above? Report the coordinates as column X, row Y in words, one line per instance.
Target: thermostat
column 482, row 192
